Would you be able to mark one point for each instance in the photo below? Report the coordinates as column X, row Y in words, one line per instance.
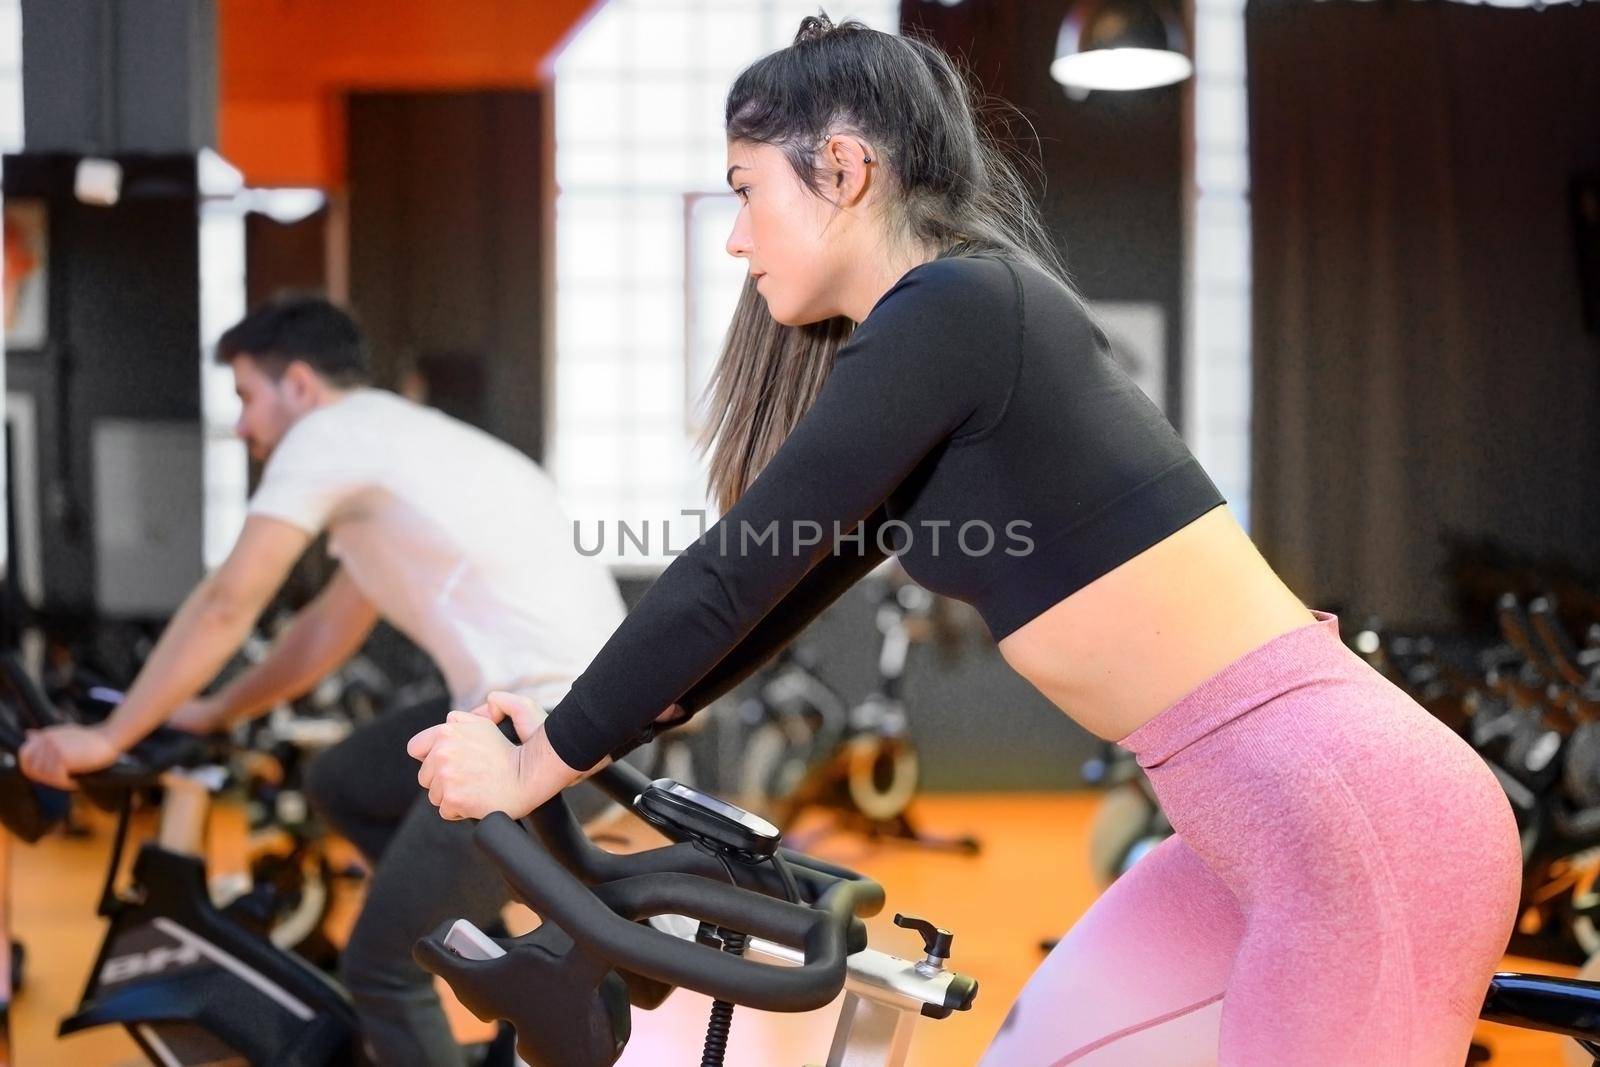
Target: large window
column 1217, row 419
column 222, row 300
column 643, row 286
column 10, row 75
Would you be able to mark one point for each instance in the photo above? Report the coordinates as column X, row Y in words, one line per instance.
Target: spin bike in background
column 288, row 885
column 806, row 747
column 1533, row 713
column 292, row 874
column 1537, row 721
column 191, row 982
column 1128, row 822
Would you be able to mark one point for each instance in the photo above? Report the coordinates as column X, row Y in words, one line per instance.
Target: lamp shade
column 1120, row 45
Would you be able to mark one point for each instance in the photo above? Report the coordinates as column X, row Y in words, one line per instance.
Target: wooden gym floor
column 1031, row 881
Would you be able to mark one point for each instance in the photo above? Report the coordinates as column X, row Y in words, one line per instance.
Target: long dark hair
column 951, row 187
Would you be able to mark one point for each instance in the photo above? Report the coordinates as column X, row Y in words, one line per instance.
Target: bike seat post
column 184, row 812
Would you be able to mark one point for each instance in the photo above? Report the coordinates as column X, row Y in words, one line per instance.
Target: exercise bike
column 622, row 931
column 287, row 886
column 291, row 879
column 806, row 747
column 189, row 982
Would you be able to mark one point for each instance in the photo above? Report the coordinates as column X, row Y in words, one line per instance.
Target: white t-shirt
column 454, row 536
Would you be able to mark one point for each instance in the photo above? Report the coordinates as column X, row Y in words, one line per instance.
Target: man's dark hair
column 302, row 327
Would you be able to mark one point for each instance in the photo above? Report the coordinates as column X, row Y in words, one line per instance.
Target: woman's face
column 782, row 230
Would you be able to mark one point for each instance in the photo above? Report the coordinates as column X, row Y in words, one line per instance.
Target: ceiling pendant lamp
column 1120, row 45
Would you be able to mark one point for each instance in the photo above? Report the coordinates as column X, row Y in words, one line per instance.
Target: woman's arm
column 934, row 361
column 821, row 586
column 209, row 627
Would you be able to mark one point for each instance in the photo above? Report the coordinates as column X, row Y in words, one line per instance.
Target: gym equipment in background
column 189, row 982
column 805, row 747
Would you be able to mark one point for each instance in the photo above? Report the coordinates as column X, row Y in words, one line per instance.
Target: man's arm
column 213, row 622
column 323, row 635
column 208, row 628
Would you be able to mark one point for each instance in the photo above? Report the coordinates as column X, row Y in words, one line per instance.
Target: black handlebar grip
column 820, row 875
column 144, row 764
column 29, row 709
column 563, row 838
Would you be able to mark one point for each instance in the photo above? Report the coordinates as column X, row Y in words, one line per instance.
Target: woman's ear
column 848, row 162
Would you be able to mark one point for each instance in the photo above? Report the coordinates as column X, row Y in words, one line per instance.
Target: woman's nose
column 739, row 239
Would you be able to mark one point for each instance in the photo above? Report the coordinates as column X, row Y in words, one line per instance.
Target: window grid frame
column 696, row 70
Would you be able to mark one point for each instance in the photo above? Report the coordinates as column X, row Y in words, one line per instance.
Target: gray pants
column 424, row 870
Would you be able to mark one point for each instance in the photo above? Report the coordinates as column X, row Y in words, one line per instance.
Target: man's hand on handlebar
column 53, row 755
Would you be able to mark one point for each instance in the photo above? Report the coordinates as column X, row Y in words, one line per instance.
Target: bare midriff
column 1132, row 643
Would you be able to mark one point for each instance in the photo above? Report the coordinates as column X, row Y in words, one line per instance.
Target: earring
column 865, row 158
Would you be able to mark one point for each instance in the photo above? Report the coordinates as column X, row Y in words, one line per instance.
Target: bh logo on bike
column 148, row 962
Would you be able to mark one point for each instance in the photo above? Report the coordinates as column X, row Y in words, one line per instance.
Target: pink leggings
column 1342, row 885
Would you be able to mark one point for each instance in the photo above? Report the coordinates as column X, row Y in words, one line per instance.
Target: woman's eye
column 741, row 192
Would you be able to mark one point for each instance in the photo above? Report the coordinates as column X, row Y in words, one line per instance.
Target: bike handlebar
column 603, row 920
column 595, row 905
column 24, row 707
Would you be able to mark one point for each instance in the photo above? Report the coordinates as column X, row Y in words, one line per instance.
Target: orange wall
column 285, row 66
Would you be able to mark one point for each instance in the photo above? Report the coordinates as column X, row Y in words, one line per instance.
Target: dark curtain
column 1422, row 371
column 1111, row 185
column 447, row 250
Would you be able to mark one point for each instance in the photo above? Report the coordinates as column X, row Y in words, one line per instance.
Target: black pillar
column 115, row 386
column 103, row 77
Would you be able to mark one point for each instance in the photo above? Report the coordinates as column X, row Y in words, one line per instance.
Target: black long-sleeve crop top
column 975, row 424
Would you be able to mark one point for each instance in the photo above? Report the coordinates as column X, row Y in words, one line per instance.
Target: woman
column 1345, row 872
